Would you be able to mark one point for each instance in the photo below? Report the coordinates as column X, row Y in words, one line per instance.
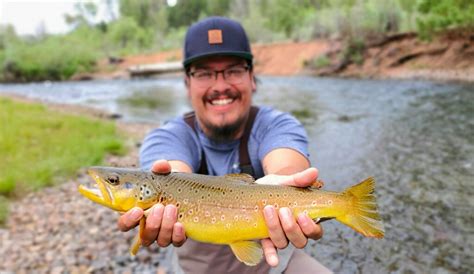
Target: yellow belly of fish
column 225, row 229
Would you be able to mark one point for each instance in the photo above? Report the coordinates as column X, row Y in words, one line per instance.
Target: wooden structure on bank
column 154, row 69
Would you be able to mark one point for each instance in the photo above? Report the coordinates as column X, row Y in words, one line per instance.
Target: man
column 220, row 83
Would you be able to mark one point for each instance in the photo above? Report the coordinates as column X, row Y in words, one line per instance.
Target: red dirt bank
column 396, row 56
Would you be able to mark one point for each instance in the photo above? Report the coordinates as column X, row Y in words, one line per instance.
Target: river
column 415, row 137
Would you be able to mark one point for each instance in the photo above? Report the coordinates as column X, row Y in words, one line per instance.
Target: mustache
column 227, row 93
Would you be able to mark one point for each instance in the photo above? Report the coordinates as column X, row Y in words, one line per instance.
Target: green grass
column 39, row 147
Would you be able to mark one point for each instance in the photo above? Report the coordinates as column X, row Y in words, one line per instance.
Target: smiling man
column 226, row 134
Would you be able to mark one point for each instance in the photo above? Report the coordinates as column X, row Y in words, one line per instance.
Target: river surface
column 415, row 137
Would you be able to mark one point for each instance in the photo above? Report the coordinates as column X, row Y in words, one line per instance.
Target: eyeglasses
column 206, row 78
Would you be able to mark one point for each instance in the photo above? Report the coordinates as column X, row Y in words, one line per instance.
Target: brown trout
column 229, row 209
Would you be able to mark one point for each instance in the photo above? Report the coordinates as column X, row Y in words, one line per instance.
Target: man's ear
column 254, row 82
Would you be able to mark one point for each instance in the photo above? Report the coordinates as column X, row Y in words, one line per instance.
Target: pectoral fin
column 137, row 242
column 248, row 252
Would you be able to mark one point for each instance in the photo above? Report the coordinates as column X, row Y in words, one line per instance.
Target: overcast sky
column 28, row 15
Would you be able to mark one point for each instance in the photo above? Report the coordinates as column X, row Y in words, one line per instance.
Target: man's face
column 221, row 106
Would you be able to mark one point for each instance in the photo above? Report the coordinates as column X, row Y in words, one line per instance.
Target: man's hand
column 161, row 224
column 281, row 225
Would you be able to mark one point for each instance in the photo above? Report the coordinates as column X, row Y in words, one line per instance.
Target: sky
column 31, row 16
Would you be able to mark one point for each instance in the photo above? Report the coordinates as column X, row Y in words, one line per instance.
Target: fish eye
column 128, row 185
column 113, row 179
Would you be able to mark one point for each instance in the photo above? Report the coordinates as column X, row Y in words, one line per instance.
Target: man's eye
column 203, row 74
column 235, row 71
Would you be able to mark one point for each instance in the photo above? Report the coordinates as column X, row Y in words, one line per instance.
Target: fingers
column 309, row 228
column 270, row 252
column 275, row 229
column 166, row 231
column 304, row 178
column 292, row 229
column 153, row 224
column 161, row 167
column 178, row 237
column 130, row 219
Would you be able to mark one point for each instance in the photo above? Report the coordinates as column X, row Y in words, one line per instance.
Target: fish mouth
column 100, row 192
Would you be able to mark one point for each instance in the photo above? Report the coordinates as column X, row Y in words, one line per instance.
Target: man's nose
column 220, row 83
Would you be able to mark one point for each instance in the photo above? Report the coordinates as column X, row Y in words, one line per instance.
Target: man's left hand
column 283, row 227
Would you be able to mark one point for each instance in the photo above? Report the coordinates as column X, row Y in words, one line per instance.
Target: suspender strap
column 244, row 157
column 245, row 163
column 190, row 119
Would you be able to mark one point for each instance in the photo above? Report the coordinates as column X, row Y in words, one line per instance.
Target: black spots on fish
column 180, row 216
column 277, row 195
column 190, row 212
column 141, row 198
column 231, row 190
column 113, row 179
column 203, row 197
column 196, row 191
column 290, row 203
column 270, row 195
column 179, row 190
column 276, row 205
column 162, row 199
column 285, row 195
column 223, row 193
column 178, row 204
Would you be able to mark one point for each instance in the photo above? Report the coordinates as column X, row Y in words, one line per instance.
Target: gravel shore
column 56, row 230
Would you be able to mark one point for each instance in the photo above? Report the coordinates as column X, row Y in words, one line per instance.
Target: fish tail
column 362, row 213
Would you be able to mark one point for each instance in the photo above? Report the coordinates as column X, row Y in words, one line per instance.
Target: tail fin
column 362, row 214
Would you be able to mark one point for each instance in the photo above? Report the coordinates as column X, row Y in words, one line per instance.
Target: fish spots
column 295, row 203
column 305, row 212
column 236, row 217
column 247, row 219
column 255, row 225
column 185, row 201
column 256, row 208
column 190, row 212
column 270, row 195
column 228, row 225
column 314, row 203
column 213, row 220
column 329, row 202
column 207, row 213
column 285, row 195
column 178, row 204
column 196, row 219
column 179, row 190
column 223, row 193
column 276, row 205
column 264, row 202
column 222, row 217
column 180, row 216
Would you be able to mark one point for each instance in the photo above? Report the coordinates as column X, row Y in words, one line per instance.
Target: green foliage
column 151, row 25
column 3, row 210
column 39, row 147
column 55, row 58
column 440, row 15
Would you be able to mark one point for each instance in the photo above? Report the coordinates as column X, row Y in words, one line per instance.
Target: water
column 415, row 137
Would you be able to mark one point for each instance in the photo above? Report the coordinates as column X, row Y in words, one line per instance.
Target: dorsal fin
column 241, row 177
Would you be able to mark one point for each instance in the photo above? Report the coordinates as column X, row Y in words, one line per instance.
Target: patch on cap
column 214, row 36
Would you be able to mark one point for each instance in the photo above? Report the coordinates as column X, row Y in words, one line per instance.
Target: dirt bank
column 447, row 57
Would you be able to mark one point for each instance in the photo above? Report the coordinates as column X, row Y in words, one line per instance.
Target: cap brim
column 245, row 55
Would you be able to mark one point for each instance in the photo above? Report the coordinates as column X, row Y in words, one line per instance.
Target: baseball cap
column 216, row 36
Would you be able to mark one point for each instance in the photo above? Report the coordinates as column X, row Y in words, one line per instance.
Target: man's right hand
column 161, row 224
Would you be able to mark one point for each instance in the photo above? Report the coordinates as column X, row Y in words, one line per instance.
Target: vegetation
column 42, row 147
column 153, row 25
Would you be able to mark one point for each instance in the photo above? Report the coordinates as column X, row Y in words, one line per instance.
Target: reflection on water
column 415, row 137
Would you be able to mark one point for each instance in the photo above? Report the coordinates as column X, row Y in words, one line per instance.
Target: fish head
column 116, row 188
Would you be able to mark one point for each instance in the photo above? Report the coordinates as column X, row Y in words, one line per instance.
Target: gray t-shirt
column 175, row 140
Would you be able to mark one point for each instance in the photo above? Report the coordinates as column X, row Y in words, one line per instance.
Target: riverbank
column 398, row 56
column 56, row 230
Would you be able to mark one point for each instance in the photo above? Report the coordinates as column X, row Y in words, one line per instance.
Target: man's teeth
column 221, row 102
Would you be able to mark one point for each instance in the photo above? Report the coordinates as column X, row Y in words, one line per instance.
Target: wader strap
column 244, row 158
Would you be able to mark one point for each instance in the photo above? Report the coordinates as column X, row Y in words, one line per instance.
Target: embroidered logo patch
column 214, row 36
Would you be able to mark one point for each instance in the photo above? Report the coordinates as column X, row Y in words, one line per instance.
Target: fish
column 228, row 209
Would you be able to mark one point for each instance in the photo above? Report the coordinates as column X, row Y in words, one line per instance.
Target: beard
column 229, row 132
